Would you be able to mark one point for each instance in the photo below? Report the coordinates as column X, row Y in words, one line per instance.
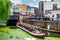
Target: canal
column 14, row 33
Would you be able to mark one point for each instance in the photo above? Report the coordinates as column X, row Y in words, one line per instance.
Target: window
column 52, row 0
column 58, row 16
column 52, row 15
column 54, row 6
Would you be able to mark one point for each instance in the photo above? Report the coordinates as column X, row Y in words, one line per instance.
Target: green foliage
column 4, row 9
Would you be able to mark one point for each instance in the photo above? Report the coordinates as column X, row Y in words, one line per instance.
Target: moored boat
column 30, row 30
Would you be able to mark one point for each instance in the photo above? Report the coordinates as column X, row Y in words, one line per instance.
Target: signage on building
column 47, row 15
column 23, row 13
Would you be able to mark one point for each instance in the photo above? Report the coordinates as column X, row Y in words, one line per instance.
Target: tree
column 4, row 9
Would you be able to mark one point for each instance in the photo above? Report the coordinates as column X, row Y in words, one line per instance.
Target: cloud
column 45, row 0
column 16, row 1
column 36, row 6
column 34, row 0
column 33, row 5
column 28, row 2
column 31, row 0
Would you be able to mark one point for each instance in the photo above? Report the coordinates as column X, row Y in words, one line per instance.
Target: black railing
column 44, row 19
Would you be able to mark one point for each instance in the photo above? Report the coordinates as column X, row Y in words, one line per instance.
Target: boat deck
column 32, row 31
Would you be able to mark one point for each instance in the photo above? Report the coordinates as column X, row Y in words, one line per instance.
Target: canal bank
column 49, row 30
column 10, row 33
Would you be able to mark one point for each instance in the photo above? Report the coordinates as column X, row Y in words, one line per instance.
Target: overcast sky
column 29, row 2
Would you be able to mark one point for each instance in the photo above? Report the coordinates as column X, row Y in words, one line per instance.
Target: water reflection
column 51, row 34
column 48, row 33
column 29, row 39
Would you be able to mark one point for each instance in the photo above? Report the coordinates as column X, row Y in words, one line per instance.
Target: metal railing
column 44, row 19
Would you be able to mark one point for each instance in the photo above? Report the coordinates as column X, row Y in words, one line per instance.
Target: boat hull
column 39, row 36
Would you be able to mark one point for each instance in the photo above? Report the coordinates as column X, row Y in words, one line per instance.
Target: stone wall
column 53, row 26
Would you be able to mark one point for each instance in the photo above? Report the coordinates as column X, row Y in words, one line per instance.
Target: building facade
column 55, row 14
column 45, row 6
column 23, row 8
column 36, row 11
column 41, row 8
column 30, row 10
column 14, row 9
column 51, row 5
column 33, row 10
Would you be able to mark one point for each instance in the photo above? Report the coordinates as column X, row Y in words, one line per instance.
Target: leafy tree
column 4, row 9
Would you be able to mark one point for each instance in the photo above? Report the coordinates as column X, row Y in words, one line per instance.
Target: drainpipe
column 48, row 26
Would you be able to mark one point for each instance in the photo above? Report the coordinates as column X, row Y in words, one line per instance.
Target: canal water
column 51, row 34
column 13, row 33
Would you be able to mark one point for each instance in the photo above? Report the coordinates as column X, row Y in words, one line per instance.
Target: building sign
column 23, row 13
column 47, row 15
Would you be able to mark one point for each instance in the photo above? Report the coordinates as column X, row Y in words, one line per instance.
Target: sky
column 28, row 2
